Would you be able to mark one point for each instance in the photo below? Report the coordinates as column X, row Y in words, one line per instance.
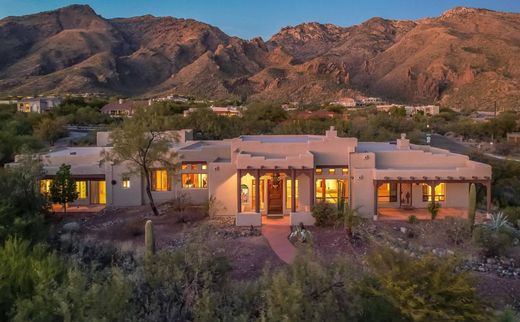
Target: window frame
column 154, row 180
column 392, row 192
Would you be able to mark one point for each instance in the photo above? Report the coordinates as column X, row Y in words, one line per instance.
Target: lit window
column 194, row 180
column 344, row 170
column 45, row 186
column 126, row 183
column 81, row 189
column 194, row 166
column 204, row 166
column 440, row 192
column 319, row 171
column 332, row 171
column 289, row 193
column 160, row 181
column 387, row 192
column 184, row 166
column 331, row 190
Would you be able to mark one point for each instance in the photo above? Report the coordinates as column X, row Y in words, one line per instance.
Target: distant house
column 426, row 109
column 513, row 137
column 411, row 110
column 315, row 115
column 38, row 104
column 122, row 108
column 364, row 101
column 345, row 102
column 224, row 111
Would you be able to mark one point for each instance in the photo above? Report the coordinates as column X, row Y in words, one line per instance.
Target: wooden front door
column 275, row 195
column 405, row 195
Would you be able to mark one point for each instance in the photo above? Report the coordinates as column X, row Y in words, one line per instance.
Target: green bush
column 513, row 215
column 412, row 219
column 425, row 289
column 325, row 214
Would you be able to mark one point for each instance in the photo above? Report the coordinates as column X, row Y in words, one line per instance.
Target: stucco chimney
column 331, row 133
column 403, row 143
column 120, row 101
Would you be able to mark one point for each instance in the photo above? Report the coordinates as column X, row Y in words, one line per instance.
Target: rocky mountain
column 464, row 58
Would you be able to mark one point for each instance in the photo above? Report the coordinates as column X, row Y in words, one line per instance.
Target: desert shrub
column 325, row 214
column 23, row 208
column 507, row 315
column 495, row 236
column 180, row 202
column 412, row 219
column 457, row 229
column 310, row 290
column 425, row 289
column 513, row 215
column 172, row 283
column 39, row 285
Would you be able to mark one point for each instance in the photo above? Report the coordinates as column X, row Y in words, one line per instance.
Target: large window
column 440, row 192
column 387, row 192
column 160, row 180
column 45, row 186
column 194, row 180
column 81, row 189
column 330, row 190
column 288, row 193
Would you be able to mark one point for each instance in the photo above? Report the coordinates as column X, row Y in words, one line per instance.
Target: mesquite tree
column 143, row 141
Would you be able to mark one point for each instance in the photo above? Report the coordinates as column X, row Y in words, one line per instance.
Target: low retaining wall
column 302, row 217
column 248, row 219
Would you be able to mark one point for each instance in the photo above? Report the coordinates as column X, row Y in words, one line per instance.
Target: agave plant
column 300, row 234
column 499, row 222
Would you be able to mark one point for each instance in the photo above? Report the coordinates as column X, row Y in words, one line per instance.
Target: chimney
column 120, row 101
column 403, row 143
column 331, row 133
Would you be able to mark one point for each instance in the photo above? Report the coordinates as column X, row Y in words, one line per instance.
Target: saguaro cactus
column 149, row 239
column 472, row 206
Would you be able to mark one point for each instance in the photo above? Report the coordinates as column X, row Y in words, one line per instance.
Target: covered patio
column 402, row 214
column 403, row 204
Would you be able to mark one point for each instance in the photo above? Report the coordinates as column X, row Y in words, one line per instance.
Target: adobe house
column 282, row 175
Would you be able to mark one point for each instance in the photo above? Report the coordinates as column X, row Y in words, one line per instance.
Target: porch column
column 257, row 191
column 376, row 187
column 311, row 188
column 432, row 186
column 293, row 190
column 488, row 196
column 239, row 191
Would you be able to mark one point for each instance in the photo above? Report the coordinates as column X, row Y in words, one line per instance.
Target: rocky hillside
column 465, row 58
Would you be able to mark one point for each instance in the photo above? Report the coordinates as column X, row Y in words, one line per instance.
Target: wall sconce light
column 360, row 177
column 366, row 157
column 217, row 168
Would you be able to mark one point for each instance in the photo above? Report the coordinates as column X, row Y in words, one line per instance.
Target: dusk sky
column 248, row 19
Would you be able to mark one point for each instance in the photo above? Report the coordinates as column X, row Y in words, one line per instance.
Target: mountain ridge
column 465, row 57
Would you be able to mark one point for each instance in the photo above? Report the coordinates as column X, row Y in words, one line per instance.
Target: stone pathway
column 276, row 232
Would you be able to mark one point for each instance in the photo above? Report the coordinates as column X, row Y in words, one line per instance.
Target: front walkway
column 277, row 231
column 420, row 213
